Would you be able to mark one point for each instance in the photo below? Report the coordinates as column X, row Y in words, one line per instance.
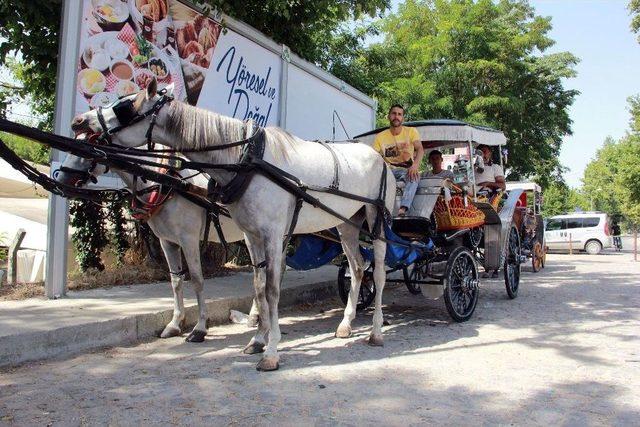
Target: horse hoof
column 196, row 336
column 343, row 331
column 375, row 340
column 268, row 364
column 254, row 348
column 170, row 331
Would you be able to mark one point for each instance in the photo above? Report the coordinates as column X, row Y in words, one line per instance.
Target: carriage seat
column 412, row 227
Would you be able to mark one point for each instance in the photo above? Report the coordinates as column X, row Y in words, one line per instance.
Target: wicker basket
column 455, row 215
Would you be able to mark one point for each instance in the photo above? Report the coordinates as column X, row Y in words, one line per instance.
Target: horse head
column 78, row 171
column 128, row 122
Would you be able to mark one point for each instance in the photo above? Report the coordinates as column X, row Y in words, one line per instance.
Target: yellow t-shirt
column 397, row 150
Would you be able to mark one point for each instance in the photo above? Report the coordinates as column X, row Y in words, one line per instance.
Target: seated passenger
column 492, row 177
column 435, row 160
column 402, row 149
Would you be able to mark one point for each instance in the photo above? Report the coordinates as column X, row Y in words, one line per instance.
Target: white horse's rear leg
column 379, row 277
column 174, row 260
column 349, row 236
column 259, row 340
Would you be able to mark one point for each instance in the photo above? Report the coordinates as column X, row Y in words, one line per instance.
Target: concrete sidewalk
column 37, row 328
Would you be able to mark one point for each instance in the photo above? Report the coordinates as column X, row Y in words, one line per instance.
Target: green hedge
column 26, row 149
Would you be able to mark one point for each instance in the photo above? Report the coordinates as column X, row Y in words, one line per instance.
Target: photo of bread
column 196, row 39
column 156, row 10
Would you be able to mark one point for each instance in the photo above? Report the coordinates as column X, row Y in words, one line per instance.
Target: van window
column 574, row 223
column 556, row 224
column 592, row 221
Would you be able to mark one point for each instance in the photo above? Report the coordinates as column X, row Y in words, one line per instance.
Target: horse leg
column 275, row 268
column 252, row 322
column 258, row 342
column 192, row 255
column 350, row 245
column 379, row 277
column 174, row 260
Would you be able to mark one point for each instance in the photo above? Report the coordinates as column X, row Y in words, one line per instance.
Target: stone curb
column 70, row 340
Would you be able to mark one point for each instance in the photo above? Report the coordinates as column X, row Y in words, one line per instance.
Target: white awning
column 438, row 133
column 13, row 184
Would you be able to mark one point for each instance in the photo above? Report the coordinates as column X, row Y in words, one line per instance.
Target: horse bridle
column 128, row 116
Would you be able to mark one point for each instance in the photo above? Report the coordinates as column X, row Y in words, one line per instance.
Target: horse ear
column 152, row 88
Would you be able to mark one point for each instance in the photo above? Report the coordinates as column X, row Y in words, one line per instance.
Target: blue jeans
column 410, row 187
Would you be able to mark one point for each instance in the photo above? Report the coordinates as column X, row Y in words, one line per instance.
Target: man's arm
column 414, row 171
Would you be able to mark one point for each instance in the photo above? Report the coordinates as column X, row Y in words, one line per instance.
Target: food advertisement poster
column 126, row 43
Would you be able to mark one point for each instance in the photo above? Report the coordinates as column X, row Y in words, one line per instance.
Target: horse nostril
column 77, row 121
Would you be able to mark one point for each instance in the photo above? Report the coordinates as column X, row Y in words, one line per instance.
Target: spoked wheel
column 367, row 287
column 461, row 285
column 512, row 263
column 474, row 238
column 410, row 278
column 536, row 257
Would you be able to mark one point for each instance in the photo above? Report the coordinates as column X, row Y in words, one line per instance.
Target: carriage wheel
column 410, row 278
column 512, row 263
column 461, row 284
column 474, row 237
column 367, row 287
column 536, row 257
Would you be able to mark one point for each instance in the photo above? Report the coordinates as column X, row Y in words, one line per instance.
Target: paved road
column 566, row 352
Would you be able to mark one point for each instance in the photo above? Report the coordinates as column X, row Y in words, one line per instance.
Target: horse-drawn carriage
column 450, row 228
column 296, row 187
column 530, row 222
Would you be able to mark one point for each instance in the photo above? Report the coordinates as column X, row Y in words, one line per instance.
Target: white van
column 588, row 231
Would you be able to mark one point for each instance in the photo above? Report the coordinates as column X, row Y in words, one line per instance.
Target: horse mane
column 196, row 128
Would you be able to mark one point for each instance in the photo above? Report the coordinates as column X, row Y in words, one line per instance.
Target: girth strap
column 336, row 166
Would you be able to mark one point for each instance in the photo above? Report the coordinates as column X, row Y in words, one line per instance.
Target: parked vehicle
column 587, row 231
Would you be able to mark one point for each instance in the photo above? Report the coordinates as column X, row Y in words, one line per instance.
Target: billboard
column 125, row 43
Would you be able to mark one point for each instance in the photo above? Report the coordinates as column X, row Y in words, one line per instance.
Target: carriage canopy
column 445, row 132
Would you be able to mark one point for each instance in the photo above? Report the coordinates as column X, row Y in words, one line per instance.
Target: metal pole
column 473, row 171
column 635, row 243
column 58, row 220
column 285, row 58
column 12, row 271
column 570, row 245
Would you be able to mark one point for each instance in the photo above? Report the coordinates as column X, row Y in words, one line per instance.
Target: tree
column 479, row 61
column 559, row 199
column 634, row 10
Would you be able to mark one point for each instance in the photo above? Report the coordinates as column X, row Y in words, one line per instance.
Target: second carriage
column 450, row 229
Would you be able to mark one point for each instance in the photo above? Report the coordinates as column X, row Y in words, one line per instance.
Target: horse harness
column 250, row 162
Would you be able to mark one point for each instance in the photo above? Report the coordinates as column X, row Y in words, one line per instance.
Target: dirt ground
column 566, row 352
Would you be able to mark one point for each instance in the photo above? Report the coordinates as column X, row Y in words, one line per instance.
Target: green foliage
column 117, row 232
column 31, row 28
column 611, row 178
column 634, row 10
column 480, row 61
column 307, row 27
column 89, row 237
column 560, row 199
column 26, row 149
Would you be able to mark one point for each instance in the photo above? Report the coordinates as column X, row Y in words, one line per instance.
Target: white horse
column 264, row 211
column 179, row 225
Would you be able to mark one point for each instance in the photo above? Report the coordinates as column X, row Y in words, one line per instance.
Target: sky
column 597, row 32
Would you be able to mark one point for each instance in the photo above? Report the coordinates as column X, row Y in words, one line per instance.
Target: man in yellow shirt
column 402, row 149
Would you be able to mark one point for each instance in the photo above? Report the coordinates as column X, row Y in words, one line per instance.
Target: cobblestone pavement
column 566, row 352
